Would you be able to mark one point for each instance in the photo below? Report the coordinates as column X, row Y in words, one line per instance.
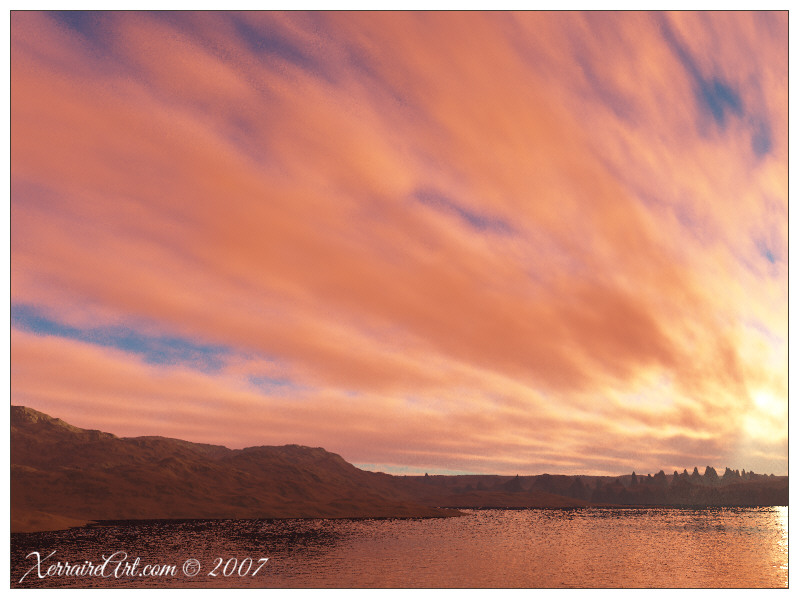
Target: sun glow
column 763, row 400
column 769, row 404
column 767, row 415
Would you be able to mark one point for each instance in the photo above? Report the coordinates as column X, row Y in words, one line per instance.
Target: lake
column 583, row 548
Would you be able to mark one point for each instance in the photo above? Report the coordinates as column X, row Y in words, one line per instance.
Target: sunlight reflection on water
column 631, row 547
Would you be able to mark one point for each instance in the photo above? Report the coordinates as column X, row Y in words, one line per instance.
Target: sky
column 452, row 242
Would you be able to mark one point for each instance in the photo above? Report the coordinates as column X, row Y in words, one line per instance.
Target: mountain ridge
column 63, row 476
column 72, row 474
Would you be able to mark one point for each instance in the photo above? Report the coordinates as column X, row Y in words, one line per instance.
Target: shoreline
column 39, row 522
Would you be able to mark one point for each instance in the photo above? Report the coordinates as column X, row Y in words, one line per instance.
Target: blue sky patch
column 716, row 98
column 765, row 251
column 157, row 350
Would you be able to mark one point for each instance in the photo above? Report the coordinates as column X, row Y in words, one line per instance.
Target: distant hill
column 734, row 488
column 62, row 475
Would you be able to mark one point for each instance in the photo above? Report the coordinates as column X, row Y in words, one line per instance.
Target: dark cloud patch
column 677, row 46
column 693, row 222
column 85, row 22
column 98, row 36
column 611, row 98
column 263, row 39
column 362, row 63
column 761, row 140
column 479, row 222
column 603, row 27
column 275, row 385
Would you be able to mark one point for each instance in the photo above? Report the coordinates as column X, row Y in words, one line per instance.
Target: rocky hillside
column 63, row 475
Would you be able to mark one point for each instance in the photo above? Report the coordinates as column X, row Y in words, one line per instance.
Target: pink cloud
column 182, row 181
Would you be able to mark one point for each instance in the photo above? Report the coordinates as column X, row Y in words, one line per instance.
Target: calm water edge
column 584, row 548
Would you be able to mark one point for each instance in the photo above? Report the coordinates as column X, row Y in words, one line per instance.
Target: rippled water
column 587, row 548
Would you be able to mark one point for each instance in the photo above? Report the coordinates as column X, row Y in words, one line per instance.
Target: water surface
column 585, row 548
